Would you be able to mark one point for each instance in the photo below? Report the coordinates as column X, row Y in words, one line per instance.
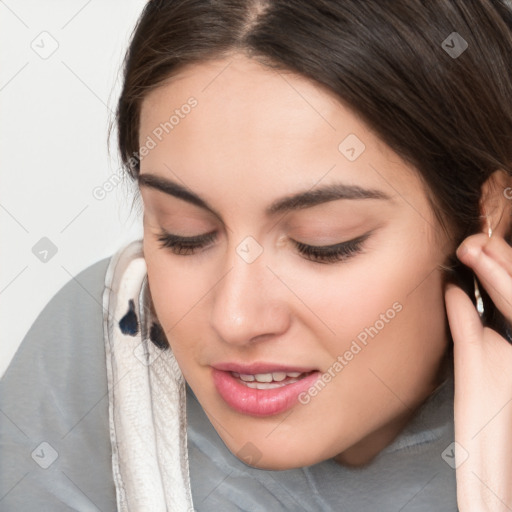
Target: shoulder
column 54, row 427
column 69, row 325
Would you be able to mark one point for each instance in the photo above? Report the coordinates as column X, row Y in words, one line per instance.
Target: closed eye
column 186, row 246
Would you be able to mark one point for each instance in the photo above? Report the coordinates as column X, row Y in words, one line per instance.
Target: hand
column 483, row 381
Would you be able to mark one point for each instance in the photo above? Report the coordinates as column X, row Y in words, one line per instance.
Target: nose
column 249, row 302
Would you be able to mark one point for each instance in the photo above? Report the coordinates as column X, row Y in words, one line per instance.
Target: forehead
column 241, row 97
column 265, row 126
column 244, row 83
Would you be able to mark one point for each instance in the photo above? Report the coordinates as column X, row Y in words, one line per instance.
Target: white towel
column 147, row 395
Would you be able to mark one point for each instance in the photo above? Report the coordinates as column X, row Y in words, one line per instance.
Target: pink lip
column 259, row 402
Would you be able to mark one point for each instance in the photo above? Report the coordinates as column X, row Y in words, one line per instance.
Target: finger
column 495, row 247
column 493, row 276
column 500, row 251
column 465, row 324
column 467, row 333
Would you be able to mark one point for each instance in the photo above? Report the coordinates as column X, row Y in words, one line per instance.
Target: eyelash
column 319, row 254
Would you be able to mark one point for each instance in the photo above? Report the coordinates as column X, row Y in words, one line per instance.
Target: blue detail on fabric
column 157, row 336
column 129, row 324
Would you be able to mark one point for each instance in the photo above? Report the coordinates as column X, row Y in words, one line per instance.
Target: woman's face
column 344, row 342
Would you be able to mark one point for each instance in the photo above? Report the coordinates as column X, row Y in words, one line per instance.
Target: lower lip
column 260, row 402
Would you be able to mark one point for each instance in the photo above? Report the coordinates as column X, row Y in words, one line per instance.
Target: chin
column 275, row 460
column 273, row 464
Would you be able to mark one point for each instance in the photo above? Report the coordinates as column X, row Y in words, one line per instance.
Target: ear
column 495, row 204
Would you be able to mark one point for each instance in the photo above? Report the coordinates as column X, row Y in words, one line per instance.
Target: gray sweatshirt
column 55, row 452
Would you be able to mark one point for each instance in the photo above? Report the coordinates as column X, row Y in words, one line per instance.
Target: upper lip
column 259, row 367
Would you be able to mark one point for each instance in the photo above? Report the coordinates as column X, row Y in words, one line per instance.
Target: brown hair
column 448, row 115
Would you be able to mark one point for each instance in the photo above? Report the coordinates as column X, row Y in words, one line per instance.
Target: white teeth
column 266, row 385
column 274, row 376
column 263, row 377
column 268, row 380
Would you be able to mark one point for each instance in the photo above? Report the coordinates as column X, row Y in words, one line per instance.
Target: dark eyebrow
column 298, row 201
column 323, row 194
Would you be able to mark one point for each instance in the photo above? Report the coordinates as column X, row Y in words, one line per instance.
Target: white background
column 55, row 113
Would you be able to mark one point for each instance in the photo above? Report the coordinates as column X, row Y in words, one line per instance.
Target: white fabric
column 147, row 398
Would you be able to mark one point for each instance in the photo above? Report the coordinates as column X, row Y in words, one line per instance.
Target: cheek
column 353, row 298
column 175, row 289
column 407, row 344
column 390, row 330
column 392, row 307
column 175, row 294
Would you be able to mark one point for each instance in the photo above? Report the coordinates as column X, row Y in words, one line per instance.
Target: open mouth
column 269, row 380
column 262, row 394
